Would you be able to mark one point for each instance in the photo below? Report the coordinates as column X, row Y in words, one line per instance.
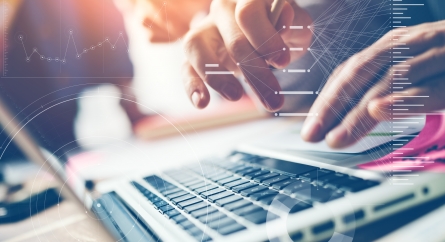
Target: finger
column 265, row 40
column 200, row 50
column 357, row 76
column 295, row 38
column 412, row 72
column 357, row 124
column 421, row 67
column 255, row 70
column 195, row 87
column 428, row 96
column 364, row 117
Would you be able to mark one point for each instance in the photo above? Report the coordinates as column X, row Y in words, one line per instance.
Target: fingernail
column 272, row 101
column 279, row 60
column 231, row 92
column 196, row 97
column 311, row 129
column 338, row 138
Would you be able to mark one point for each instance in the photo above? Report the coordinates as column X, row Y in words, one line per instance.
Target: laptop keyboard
column 228, row 196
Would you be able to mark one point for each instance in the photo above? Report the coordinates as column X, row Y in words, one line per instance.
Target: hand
column 238, row 36
column 164, row 20
column 359, row 94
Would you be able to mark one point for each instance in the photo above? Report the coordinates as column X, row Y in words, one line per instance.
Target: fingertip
column 199, row 99
column 378, row 109
column 311, row 131
column 282, row 59
column 273, row 102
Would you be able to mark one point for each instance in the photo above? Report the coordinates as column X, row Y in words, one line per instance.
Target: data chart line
column 78, row 55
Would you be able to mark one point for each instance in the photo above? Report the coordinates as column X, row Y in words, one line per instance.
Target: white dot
column 308, row 48
column 284, row 70
column 98, row 205
column 316, row 93
column 276, row 92
column 276, row 114
column 284, row 48
column 237, row 64
column 308, row 27
column 308, row 70
column 284, row 26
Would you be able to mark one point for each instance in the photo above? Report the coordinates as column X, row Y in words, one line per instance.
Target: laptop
column 256, row 192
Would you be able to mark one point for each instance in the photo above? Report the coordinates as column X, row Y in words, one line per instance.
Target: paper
column 425, row 152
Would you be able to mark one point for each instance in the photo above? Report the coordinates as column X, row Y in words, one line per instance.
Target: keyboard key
column 165, row 188
column 330, row 178
column 205, row 189
column 313, row 175
column 237, row 205
column 172, row 213
column 282, row 184
column 199, row 185
column 295, row 186
column 228, row 180
column 165, row 208
column 243, row 187
column 202, row 237
column 160, row 204
column 252, row 190
column 171, row 191
column 235, row 183
column 212, row 192
column 247, row 170
column 179, row 219
column 230, row 229
column 155, row 181
column 182, row 198
column 250, row 176
column 220, row 177
column 218, row 196
column 204, row 211
column 221, row 223
column 194, row 182
column 318, row 194
column 274, row 180
column 263, row 194
column 260, row 216
column 186, row 224
column 155, row 199
column 176, row 194
column 265, row 177
column 194, row 231
column 289, row 205
column 195, row 207
column 267, row 200
column 189, row 202
column 211, row 217
column 228, row 200
column 246, row 210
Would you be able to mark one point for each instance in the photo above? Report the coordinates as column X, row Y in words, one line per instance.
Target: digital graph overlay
column 402, row 166
column 71, row 40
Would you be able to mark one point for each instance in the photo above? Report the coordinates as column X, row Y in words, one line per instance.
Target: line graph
column 79, row 51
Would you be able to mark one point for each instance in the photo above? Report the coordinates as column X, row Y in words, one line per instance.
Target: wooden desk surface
column 66, row 222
